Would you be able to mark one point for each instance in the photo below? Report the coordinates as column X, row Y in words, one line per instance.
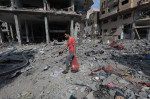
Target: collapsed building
column 124, row 19
column 42, row 20
column 92, row 27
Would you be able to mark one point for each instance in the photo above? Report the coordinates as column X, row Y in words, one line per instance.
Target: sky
column 96, row 4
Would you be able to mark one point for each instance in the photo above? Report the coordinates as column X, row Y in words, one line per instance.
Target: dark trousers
column 69, row 60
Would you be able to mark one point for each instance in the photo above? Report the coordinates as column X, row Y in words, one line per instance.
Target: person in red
column 72, row 51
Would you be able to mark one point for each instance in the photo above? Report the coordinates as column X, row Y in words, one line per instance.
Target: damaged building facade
column 92, row 27
column 124, row 19
column 40, row 21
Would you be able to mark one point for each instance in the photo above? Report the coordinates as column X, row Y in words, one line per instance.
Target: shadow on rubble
column 138, row 62
column 11, row 63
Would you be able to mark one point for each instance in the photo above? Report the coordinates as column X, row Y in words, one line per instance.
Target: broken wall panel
column 142, row 23
column 114, row 26
column 143, row 12
column 130, row 14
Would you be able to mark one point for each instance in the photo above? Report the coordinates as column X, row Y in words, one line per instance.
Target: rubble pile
column 106, row 72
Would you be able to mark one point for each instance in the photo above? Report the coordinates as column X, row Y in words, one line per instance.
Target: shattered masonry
column 125, row 19
column 120, row 69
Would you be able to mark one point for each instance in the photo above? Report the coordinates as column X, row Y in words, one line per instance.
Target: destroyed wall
column 108, row 7
column 120, row 24
column 112, row 6
column 127, row 4
column 92, row 24
column 86, row 7
column 142, row 23
column 42, row 20
column 103, row 8
column 112, row 27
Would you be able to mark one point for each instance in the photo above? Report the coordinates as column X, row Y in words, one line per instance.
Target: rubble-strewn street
column 107, row 56
column 120, row 70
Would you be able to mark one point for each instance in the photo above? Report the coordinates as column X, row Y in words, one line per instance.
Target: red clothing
column 71, row 41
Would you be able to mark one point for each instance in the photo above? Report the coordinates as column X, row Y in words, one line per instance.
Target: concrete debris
column 56, row 73
column 122, row 74
column 90, row 96
column 129, row 94
column 45, row 67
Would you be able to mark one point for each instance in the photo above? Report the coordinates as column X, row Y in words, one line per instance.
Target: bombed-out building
column 92, row 27
column 124, row 19
column 41, row 20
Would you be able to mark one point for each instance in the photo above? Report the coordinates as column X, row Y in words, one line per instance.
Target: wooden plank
column 137, row 33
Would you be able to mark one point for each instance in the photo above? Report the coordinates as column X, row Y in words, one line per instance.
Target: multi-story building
column 42, row 20
column 92, row 24
column 124, row 19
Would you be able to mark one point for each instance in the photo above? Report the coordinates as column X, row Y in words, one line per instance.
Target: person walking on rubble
column 71, row 43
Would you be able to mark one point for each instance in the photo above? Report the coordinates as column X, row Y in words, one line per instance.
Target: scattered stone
column 90, row 96
column 45, row 67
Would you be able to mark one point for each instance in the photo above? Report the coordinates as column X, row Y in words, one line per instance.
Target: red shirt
column 71, row 41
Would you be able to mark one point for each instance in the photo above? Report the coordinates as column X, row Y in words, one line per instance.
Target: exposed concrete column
column 72, row 27
column 17, row 24
column 27, row 31
column 44, row 4
column 11, row 32
column 122, row 33
column 133, row 31
column 47, row 30
column 12, row 3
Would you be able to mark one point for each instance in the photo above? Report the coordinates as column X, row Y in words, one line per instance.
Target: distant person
column 72, row 51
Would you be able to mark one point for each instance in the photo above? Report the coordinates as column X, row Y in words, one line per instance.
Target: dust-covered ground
column 124, row 68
